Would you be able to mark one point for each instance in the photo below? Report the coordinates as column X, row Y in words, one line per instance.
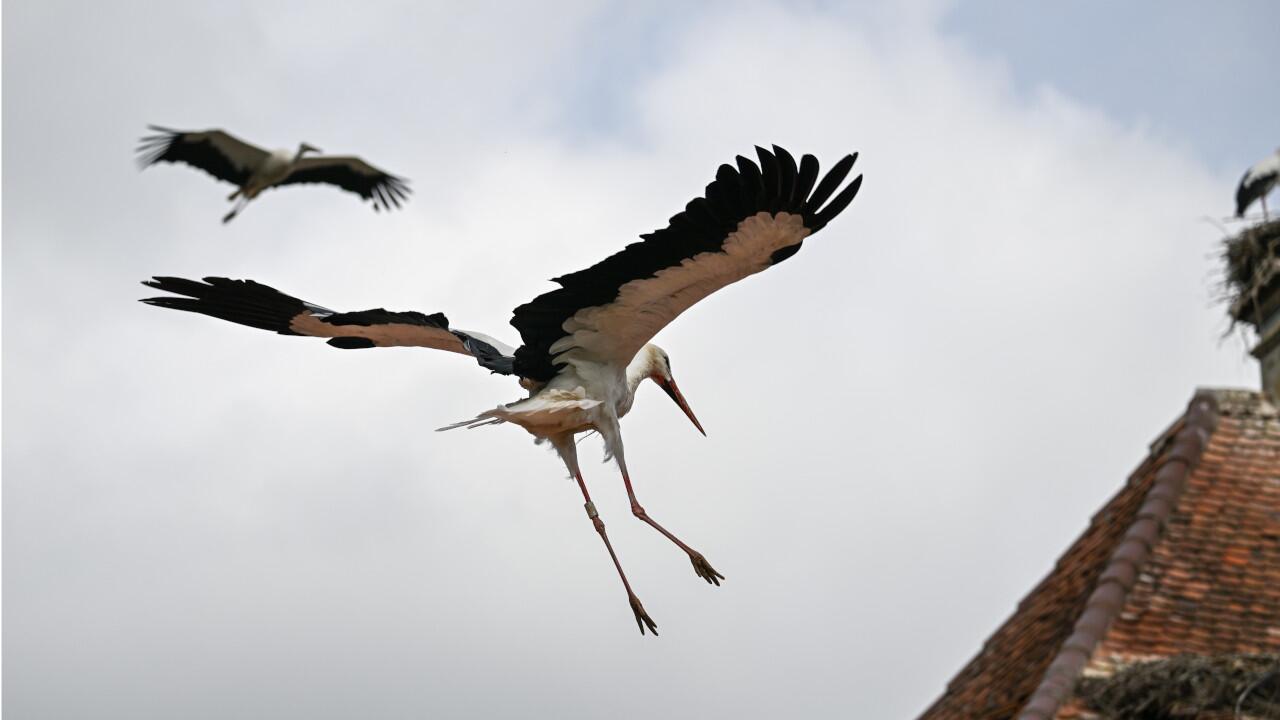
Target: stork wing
column 750, row 218
column 256, row 305
column 218, row 153
column 353, row 174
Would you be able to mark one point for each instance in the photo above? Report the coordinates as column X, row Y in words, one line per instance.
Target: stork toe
column 704, row 569
column 642, row 618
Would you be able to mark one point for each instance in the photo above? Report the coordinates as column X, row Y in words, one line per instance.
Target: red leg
column 568, row 451
column 700, row 564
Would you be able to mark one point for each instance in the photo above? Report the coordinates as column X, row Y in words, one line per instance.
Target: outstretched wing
column 218, row 153
column 751, row 217
column 352, row 174
column 256, row 305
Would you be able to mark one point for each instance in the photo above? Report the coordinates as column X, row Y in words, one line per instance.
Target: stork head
column 304, row 148
column 659, row 366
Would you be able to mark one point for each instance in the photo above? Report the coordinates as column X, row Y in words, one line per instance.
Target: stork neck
column 643, row 365
column 637, row 372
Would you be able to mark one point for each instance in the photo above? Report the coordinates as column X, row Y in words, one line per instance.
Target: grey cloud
column 907, row 422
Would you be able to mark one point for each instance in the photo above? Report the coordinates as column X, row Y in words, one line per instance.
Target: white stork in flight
column 586, row 344
column 1256, row 183
column 254, row 169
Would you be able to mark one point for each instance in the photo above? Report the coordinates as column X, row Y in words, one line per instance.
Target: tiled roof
column 1185, row 558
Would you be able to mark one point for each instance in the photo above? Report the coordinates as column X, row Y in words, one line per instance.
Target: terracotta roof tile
column 1185, row 558
column 1216, row 569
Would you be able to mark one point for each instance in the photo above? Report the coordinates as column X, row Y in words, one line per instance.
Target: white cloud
column 908, row 421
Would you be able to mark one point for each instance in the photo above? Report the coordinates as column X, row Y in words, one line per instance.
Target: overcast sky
column 908, row 422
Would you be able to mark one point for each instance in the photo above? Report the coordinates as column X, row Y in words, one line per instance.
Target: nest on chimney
column 1233, row 686
column 1251, row 262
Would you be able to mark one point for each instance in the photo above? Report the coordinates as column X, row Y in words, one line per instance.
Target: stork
column 1256, row 183
column 253, row 169
column 586, row 345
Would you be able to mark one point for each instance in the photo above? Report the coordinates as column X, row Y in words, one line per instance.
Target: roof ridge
column 1240, row 402
column 1118, row 577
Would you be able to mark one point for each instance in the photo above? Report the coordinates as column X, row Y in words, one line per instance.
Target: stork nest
column 1188, row 686
column 1249, row 259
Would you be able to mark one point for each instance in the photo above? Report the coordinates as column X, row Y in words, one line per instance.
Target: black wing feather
column 199, row 150
column 239, row 301
column 840, row 202
column 353, row 175
column 829, row 183
column 806, row 177
column 771, row 200
column 261, row 306
column 787, row 166
column 1252, row 188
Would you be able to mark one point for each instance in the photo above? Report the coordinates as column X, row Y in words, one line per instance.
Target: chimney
column 1253, row 284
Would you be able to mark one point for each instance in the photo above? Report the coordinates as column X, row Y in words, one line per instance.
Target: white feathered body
column 276, row 167
column 584, row 396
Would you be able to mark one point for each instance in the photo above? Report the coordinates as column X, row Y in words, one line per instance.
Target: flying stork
column 1256, row 183
column 586, row 344
column 254, row 169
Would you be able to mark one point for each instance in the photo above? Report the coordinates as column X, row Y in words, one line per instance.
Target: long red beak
column 670, row 388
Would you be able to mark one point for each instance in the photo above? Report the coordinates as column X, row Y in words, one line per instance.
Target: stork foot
column 642, row 618
column 704, row 569
column 227, row 218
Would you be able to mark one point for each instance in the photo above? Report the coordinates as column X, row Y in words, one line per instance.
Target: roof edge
column 1134, row 549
